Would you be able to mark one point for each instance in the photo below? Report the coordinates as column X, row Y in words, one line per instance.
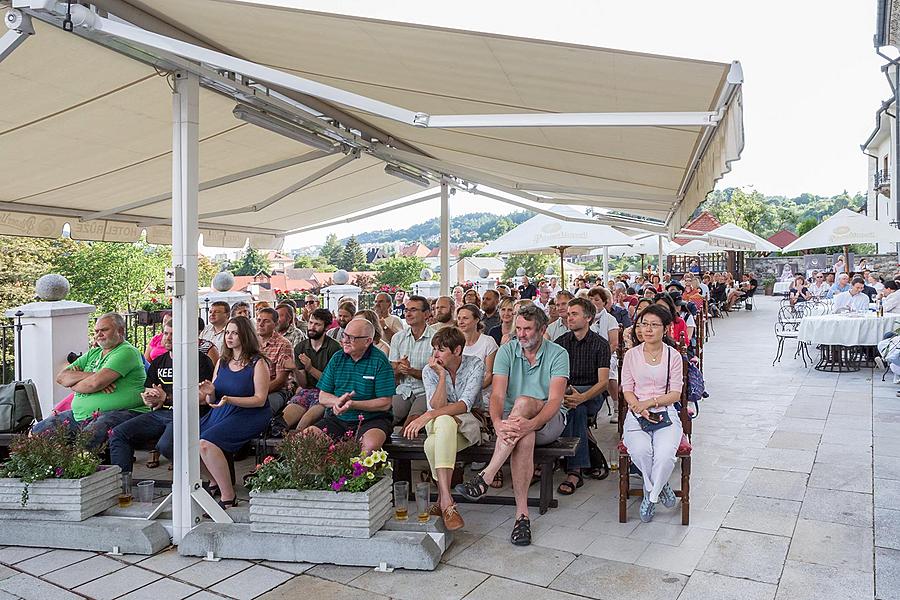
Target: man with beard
column 490, row 316
column 107, row 380
column 444, row 312
column 312, row 356
column 345, row 313
column 286, row 326
column 156, row 425
column 526, row 407
column 277, row 351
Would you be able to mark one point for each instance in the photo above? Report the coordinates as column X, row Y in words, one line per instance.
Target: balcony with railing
column 882, row 182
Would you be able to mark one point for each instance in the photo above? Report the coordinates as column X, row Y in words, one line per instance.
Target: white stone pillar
column 334, row 293
column 428, row 289
column 50, row 330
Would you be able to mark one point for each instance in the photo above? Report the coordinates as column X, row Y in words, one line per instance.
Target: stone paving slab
column 598, row 578
column 805, row 581
column 763, row 515
column 887, row 574
column 832, row 544
column 746, row 555
column 836, row 506
column 705, row 586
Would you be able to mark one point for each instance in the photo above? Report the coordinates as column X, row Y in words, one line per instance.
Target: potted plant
column 151, row 311
column 769, row 284
column 318, row 486
column 53, row 477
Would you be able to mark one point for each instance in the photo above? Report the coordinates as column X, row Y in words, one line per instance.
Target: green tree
column 399, row 271
column 319, row 263
column 206, row 270
column 806, row 225
column 22, row 261
column 742, row 209
column 113, row 275
column 534, row 264
column 251, row 262
column 469, row 252
column 501, row 226
column 353, row 258
column 332, row 250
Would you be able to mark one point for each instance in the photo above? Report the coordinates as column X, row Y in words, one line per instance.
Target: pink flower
column 268, row 459
column 95, row 415
column 331, row 448
column 360, row 417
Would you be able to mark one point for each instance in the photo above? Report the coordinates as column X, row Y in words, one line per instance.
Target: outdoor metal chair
column 787, row 327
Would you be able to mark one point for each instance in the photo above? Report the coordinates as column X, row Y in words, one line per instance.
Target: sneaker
column 667, row 496
column 647, row 509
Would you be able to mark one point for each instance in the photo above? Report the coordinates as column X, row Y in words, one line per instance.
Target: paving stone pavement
column 795, row 494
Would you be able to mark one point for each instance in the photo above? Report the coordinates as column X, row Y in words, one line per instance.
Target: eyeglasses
column 311, row 302
column 651, row 325
column 352, row 338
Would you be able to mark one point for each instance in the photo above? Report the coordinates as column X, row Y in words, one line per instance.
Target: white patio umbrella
column 734, row 237
column 696, row 248
column 542, row 234
column 843, row 228
column 644, row 244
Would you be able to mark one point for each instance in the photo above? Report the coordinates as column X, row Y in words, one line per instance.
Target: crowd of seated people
column 532, row 362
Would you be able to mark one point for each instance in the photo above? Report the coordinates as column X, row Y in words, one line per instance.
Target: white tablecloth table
column 781, row 287
column 866, row 329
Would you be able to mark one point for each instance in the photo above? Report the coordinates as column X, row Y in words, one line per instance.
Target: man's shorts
column 338, row 428
column 305, row 397
column 551, row 430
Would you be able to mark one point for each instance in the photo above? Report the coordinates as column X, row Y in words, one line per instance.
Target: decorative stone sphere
column 426, row 274
column 223, row 281
column 484, row 273
column 52, row 287
column 549, row 271
column 340, row 277
column 520, row 272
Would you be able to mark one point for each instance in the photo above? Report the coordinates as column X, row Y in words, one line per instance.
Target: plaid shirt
column 585, row 356
column 279, row 353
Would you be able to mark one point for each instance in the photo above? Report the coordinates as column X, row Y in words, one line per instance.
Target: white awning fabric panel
column 94, row 133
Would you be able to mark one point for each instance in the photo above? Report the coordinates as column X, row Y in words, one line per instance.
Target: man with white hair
column 841, row 285
column 108, row 381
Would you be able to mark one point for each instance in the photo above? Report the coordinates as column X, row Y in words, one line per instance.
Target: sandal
column 213, row 490
column 226, row 504
column 521, row 533
column 153, row 462
column 497, row 483
column 536, row 476
column 473, row 490
column 567, row 488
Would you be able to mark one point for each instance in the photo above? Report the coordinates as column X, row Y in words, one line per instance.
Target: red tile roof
column 704, row 223
column 783, row 238
column 415, row 249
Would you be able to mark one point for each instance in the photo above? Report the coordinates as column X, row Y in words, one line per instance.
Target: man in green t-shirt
column 107, row 380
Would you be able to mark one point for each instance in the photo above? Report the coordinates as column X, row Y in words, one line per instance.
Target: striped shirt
column 368, row 378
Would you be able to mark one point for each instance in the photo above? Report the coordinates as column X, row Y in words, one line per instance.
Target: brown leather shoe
column 435, row 510
column 452, row 519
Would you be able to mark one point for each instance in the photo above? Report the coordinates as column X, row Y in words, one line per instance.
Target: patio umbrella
column 644, row 244
column 542, row 234
column 734, row 237
column 696, row 248
column 843, row 228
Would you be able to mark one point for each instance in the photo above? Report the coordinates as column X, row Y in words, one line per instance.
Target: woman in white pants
column 651, row 383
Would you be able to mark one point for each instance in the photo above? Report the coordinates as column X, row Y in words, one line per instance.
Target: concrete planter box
column 61, row 499
column 322, row 513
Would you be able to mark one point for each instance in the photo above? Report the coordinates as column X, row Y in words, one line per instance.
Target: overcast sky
column 812, row 80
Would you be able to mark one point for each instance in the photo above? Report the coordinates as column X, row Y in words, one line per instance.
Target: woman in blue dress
column 238, row 396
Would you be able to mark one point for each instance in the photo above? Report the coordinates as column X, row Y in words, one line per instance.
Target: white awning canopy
column 696, row 248
column 89, row 139
column 643, row 244
column 844, row 228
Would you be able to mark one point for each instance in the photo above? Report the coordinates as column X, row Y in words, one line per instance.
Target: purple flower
column 358, row 469
column 59, row 472
column 337, row 485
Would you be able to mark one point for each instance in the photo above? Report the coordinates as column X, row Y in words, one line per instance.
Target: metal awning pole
column 605, row 264
column 659, row 272
column 445, row 238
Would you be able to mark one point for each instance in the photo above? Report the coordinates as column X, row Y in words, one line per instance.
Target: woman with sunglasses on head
column 651, row 384
column 676, row 328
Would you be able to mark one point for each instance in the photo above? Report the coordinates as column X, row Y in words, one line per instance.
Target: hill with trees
column 470, row 227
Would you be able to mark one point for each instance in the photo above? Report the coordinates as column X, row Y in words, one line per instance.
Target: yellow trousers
column 444, row 440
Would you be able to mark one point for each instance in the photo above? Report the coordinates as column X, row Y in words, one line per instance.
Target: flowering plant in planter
column 48, row 455
column 155, row 304
column 309, row 461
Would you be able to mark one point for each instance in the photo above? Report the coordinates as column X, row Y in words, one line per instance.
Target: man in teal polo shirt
column 108, row 381
column 530, row 375
column 356, row 388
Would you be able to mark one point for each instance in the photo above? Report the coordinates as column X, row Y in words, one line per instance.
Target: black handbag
column 649, row 425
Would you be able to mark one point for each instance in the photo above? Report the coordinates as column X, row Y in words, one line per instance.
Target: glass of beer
column 423, row 498
column 401, row 500
column 125, row 494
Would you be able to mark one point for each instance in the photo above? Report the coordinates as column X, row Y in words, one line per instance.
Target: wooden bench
column 403, row 451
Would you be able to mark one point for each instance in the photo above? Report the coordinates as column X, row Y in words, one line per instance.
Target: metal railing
column 882, row 179
column 10, row 337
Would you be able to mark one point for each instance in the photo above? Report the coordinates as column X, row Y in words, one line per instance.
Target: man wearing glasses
column 410, row 350
column 356, row 389
column 818, row 288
